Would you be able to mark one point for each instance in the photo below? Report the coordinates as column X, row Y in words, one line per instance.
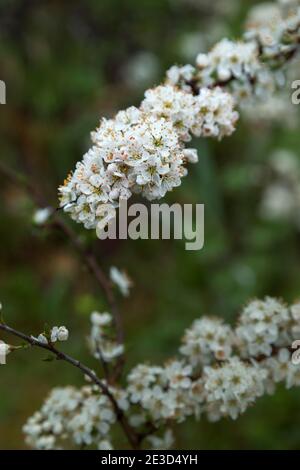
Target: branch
column 87, row 256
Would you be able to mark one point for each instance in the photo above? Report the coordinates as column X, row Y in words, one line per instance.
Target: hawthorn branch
column 87, row 255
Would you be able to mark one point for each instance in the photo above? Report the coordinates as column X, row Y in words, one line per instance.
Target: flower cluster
column 235, row 64
column 222, row 370
column 142, row 151
column 263, row 324
column 281, row 369
column 230, row 389
column 79, row 417
column 253, row 66
column 226, row 60
column 101, row 342
column 164, row 393
column 275, row 28
column 208, row 340
column 135, row 152
column 209, row 114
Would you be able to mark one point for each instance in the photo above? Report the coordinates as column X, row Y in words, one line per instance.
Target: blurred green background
column 66, row 64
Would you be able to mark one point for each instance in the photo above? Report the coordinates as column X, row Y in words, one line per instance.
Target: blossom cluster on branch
column 220, row 372
column 249, row 68
column 142, row 150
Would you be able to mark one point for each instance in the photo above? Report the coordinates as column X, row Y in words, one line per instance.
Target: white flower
column 232, row 387
column 178, row 375
column 41, row 216
column 278, row 365
column 202, row 60
column 181, row 76
column 208, row 339
column 62, row 334
column 121, row 397
column 121, row 280
column 270, row 25
column 262, row 325
column 59, row 334
column 230, row 59
column 4, row 349
column 42, row 339
column 111, row 350
column 101, row 341
column 175, row 105
column 101, row 319
column 191, row 155
column 215, row 114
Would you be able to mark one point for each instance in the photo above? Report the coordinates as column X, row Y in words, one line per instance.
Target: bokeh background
column 65, row 64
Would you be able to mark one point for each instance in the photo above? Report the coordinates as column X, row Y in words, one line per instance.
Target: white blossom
column 121, row 280
column 208, row 339
column 101, row 319
column 102, row 343
column 41, row 216
column 42, row 338
column 4, row 349
column 232, row 387
column 59, row 334
column 262, row 325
